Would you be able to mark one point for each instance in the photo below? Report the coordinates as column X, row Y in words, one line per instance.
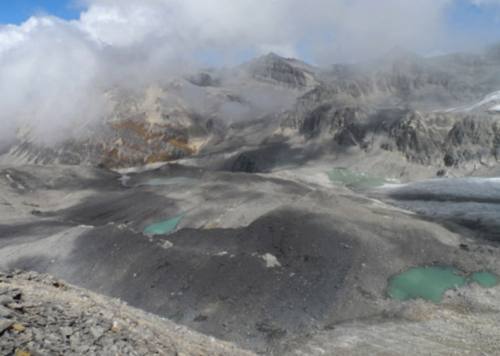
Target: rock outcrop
column 282, row 71
column 441, row 139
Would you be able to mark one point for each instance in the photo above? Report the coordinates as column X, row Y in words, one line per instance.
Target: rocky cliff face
column 405, row 104
column 441, row 139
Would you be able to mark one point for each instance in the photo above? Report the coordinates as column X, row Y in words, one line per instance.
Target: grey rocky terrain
column 289, row 196
column 40, row 315
column 262, row 260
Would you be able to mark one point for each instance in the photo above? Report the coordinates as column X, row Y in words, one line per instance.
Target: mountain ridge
column 194, row 115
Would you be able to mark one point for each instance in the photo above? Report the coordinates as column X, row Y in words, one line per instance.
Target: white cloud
column 48, row 74
column 261, row 25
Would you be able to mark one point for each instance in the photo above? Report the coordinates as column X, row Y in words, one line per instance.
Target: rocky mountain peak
column 203, row 79
column 275, row 69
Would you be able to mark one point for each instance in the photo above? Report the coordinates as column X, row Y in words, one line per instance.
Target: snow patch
column 12, row 181
column 167, row 244
column 490, row 98
column 392, row 185
column 141, row 169
column 124, row 179
column 271, row 261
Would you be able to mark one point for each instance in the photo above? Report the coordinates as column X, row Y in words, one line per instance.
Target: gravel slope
column 40, row 315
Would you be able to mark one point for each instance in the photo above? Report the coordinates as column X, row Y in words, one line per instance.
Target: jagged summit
column 271, row 56
column 275, row 69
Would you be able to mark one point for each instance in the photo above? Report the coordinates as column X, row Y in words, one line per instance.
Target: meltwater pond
column 163, row 228
column 350, row 179
column 430, row 283
column 485, row 279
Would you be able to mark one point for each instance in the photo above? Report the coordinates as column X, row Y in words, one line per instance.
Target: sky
column 475, row 20
column 17, row 11
column 58, row 58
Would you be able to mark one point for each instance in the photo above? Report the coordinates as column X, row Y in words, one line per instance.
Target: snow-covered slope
column 491, row 102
